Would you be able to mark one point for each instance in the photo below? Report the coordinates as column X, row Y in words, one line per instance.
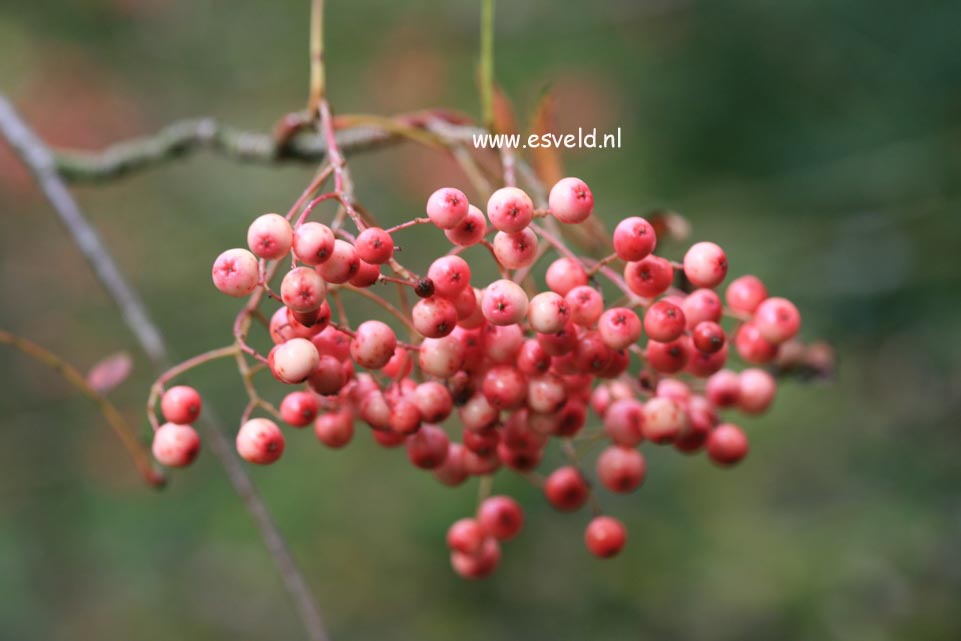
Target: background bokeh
column 816, row 140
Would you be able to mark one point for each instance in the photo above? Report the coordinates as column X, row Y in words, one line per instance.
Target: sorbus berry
column 701, row 305
column 649, row 277
column 605, row 536
column 175, row 445
column 727, row 444
column 757, row 390
column 303, row 290
column 752, row 346
column 335, row 429
column 664, row 321
column 181, row 404
column 504, row 303
column 505, row 387
column 510, row 209
column 777, row 320
column 373, row 344
column 708, row 337
column 270, row 236
column 427, row 449
column 299, row 409
column 374, row 245
column 705, row 265
column 313, row 243
column 367, row 274
column 703, row 364
column 434, row 317
column 441, row 357
column 668, row 358
column 515, row 250
column 564, row 274
column 586, row 305
column 548, row 312
column 619, row 327
column 634, row 239
column 446, row 207
column 452, row 471
column 470, row 230
column 466, row 536
column 624, row 422
column 620, row 469
column 566, row 489
column 745, row 293
column 532, row 359
column 260, row 441
column 236, row 272
column 479, row 565
column 292, row 362
column 724, row 388
column 664, row 419
column 450, row 275
column 500, row 517
column 434, row 401
column 571, row 201
column 342, row 264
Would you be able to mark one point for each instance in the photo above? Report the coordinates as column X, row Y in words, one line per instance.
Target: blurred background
column 817, row 141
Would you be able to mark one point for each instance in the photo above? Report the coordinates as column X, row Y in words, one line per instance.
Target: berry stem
column 317, row 71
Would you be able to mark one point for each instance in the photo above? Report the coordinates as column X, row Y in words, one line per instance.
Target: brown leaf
column 546, row 160
column 110, row 372
column 504, row 120
column 669, row 224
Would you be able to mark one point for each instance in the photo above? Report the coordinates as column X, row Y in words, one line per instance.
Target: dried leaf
column 504, row 120
column 669, row 224
column 546, row 159
column 110, row 372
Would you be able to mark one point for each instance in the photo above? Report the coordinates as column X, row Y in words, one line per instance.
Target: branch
column 44, row 167
column 114, row 418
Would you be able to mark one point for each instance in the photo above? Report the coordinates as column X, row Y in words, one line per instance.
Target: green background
column 816, row 140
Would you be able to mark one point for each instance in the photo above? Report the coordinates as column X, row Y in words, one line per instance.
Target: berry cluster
column 495, row 371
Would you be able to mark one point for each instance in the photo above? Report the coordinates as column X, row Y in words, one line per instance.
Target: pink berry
column 479, row 565
column 702, row 305
column 757, row 390
column 332, row 342
column 466, row 536
column 504, row 303
column 724, row 388
column 374, row 245
column 571, row 200
column 546, row 394
column 703, row 364
column 334, row 429
column 619, row 327
column 532, row 359
column 510, row 209
column 548, row 312
column 446, row 207
column 605, row 536
column 664, row 419
column 270, row 236
column 434, row 317
column 727, row 444
column 342, row 264
column 564, row 274
column 313, row 243
column 299, row 409
column 292, row 362
column 777, row 320
column 649, row 277
column 708, row 337
column 367, row 274
column 505, row 387
column 664, row 321
column 752, row 346
column 441, row 357
column 745, row 293
column 181, row 404
column 427, row 448
column 373, row 344
column 260, row 441
column 705, row 265
column 470, row 230
column 450, row 275
column 434, row 401
column 634, row 239
column 452, row 472
column 624, row 422
column 515, row 250
column 566, row 489
column 668, row 358
column 500, row 517
column 283, row 327
column 303, row 290
column 621, row 469
column 236, row 272
column 586, row 305
column 175, row 445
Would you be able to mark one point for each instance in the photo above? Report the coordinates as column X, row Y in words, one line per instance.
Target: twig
column 115, row 420
column 42, row 164
column 486, row 70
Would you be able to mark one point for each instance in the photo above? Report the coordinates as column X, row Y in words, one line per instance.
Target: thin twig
column 42, row 164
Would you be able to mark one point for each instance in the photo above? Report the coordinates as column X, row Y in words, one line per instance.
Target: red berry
column 619, row 327
column 335, row 429
column 724, row 388
column 236, row 272
column 757, row 390
column 727, row 444
column 621, row 469
column 446, row 207
column 504, row 303
column 313, row 243
column 470, row 230
column 260, row 441
column 450, row 274
column 701, row 305
column 752, row 346
column 453, row 471
column 705, row 265
column 664, row 419
column 428, row 447
column 708, row 337
column 664, row 321
column 175, row 445
column 564, row 274
column 374, row 245
column 624, row 422
column 744, row 294
column 605, row 536
column 571, row 201
column 270, row 236
column 649, row 277
column 515, row 250
column 434, row 317
column 466, row 536
column 510, row 209
column 479, row 565
column 777, row 320
column 634, row 239
column 548, row 312
column 501, row 517
column 566, row 489
column 303, row 290
column 181, row 404
column 342, row 264
column 373, row 344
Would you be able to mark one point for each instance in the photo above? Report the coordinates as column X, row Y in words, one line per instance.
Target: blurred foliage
column 818, row 141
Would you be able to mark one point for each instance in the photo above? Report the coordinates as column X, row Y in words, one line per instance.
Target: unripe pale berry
column 504, row 303
column 260, row 441
column 236, row 273
column 313, row 243
column 705, row 264
column 605, row 536
column 292, row 362
column 664, row 321
column 470, row 230
column 777, row 320
column 342, row 264
column 624, row 422
column 303, row 290
column 757, row 390
column 441, row 357
column 619, row 327
column 649, row 277
column 175, row 445
column 465, row 536
column 335, row 429
column 446, row 207
column 500, row 517
column 566, row 489
column 434, row 317
column 548, row 312
column 181, row 404
column 427, row 449
column 546, row 394
column 299, row 408
column 450, row 274
column 745, row 293
column 708, row 337
column 571, row 200
column 634, row 239
column 515, row 250
column 727, row 444
column 373, row 344
column 564, row 274
column 374, row 245
column 510, row 209
column 621, row 469
column 270, row 236
column 723, row 389
column 664, row 419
